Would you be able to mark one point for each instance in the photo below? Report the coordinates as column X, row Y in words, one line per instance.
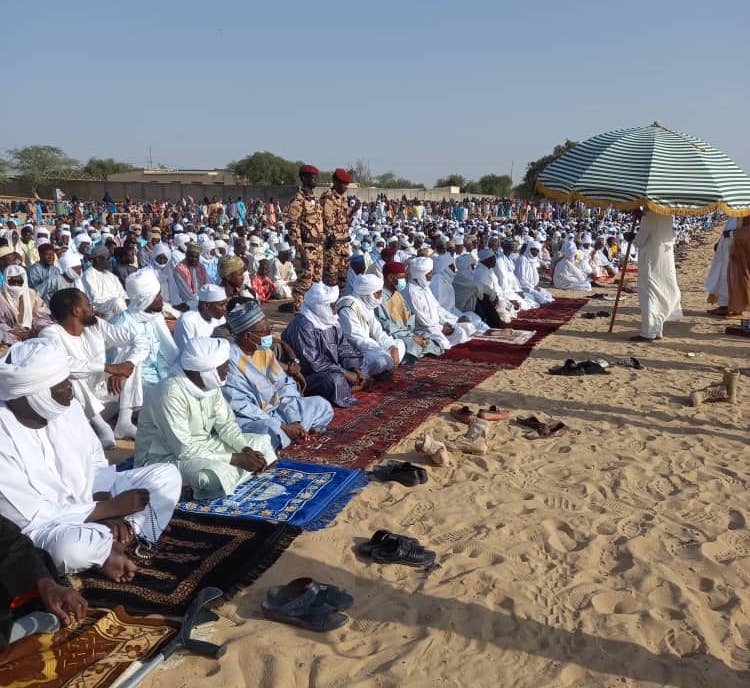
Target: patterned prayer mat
column 360, row 434
column 194, row 551
column 544, row 321
column 305, row 495
column 92, row 655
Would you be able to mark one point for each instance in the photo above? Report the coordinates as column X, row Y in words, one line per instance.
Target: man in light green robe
column 186, row 421
column 398, row 321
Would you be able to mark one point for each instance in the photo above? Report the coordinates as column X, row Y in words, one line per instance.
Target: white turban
column 30, row 367
column 142, row 288
column 464, row 264
column 419, row 268
column 536, row 244
column 485, row 253
column 181, row 240
column 161, row 249
column 569, row 250
column 316, row 306
column 365, row 284
column 203, row 354
column 206, row 247
column 211, row 293
column 67, row 262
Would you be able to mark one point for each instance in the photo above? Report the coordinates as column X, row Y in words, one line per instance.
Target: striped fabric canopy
column 662, row 170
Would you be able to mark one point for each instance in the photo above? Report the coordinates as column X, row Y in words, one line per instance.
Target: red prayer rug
column 544, row 321
column 361, row 434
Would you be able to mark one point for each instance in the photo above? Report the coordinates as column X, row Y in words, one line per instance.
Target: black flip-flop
column 570, row 367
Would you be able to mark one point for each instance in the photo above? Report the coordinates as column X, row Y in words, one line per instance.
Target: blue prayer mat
column 306, row 495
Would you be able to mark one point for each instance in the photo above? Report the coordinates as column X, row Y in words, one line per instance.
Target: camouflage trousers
column 336, row 264
column 309, row 269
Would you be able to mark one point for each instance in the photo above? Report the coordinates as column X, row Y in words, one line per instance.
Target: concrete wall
column 94, row 190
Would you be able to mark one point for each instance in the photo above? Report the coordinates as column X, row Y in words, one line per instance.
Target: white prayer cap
column 485, row 253
column 204, row 353
column 254, row 241
column 321, row 293
column 535, row 244
column 30, row 367
column 220, row 243
column 365, row 284
column 458, row 239
column 82, row 239
column 283, row 246
column 177, row 228
column 211, row 293
column 142, row 288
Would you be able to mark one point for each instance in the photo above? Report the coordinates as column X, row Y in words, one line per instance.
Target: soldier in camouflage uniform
column 336, row 220
column 305, row 227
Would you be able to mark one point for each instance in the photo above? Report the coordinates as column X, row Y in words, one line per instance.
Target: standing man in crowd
column 337, row 217
column 305, row 226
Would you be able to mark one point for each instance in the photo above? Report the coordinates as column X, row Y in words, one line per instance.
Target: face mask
column 401, row 283
column 371, row 301
column 44, row 405
column 266, row 342
column 365, row 247
column 15, row 291
column 211, row 380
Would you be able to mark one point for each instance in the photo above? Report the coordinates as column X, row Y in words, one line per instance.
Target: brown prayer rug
column 92, row 655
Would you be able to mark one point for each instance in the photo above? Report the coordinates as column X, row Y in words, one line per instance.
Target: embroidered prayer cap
column 204, row 353
column 192, row 250
column 485, row 253
column 243, row 316
column 30, row 367
column 211, row 293
column 230, row 264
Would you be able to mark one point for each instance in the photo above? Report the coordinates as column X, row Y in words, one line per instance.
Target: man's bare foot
column 118, row 567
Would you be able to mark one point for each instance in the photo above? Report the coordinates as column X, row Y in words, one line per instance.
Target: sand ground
column 616, row 555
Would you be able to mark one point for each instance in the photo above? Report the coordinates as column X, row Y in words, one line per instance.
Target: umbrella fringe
column 645, row 202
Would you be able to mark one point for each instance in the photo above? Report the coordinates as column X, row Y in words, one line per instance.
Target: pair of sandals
column 540, row 430
column 308, row 604
column 598, row 314
column 570, row 367
column 463, row 414
column 385, row 547
column 404, row 472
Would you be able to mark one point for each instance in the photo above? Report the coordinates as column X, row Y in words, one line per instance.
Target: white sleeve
column 137, row 347
column 355, row 331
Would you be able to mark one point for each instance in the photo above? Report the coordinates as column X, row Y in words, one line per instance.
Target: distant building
column 166, row 175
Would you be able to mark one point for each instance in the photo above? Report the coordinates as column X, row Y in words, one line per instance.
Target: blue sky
column 419, row 88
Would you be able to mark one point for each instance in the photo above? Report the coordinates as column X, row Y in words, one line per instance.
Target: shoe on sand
column 463, row 414
column 493, row 413
column 731, row 380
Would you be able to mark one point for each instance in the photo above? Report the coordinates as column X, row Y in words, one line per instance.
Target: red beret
column 309, row 169
column 393, row 268
column 342, row 175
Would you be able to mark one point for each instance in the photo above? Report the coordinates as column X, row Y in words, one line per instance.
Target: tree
column 266, row 169
column 101, row 168
column 37, row 164
column 362, row 173
column 451, row 180
column 4, row 167
column 526, row 189
column 495, row 185
column 388, row 180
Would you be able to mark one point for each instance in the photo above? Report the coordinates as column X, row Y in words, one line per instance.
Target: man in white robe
column 449, row 329
column 57, row 485
column 187, row 422
column 658, row 292
column 283, row 273
column 102, row 286
column 527, row 272
column 491, row 304
column 358, row 322
column 102, row 388
column 212, row 309
column 717, row 283
column 505, row 270
column 66, row 275
column 567, row 274
column 441, row 285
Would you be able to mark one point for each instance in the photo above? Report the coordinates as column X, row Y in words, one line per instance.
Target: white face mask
column 43, row 404
column 211, row 380
column 15, row 291
column 371, row 301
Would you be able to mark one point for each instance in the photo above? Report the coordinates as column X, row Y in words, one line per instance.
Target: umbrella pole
column 622, row 279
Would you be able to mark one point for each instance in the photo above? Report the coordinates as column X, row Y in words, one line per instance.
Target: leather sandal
column 403, row 551
column 463, row 414
column 302, row 606
column 380, row 538
column 494, row 413
column 401, row 472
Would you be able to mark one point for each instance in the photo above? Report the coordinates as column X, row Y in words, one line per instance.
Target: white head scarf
column 142, row 288
column 464, row 265
column 418, row 270
column 30, row 369
column 316, row 306
column 204, row 355
column 67, row 262
column 441, row 262
column 18, row 298
column 364, row 286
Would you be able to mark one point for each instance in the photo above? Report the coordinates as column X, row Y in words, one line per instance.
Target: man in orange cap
column 337, row 217
column 305, row 227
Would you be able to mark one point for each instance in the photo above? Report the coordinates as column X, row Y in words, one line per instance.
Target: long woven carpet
column 360, row 434
column 544, row 321
column 194, row 551
column 92, row 655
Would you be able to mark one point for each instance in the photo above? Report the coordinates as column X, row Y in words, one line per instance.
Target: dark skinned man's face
column 156, row 305
column 309, row 180
column 47, row 257
column 217, row 309
column 62, row 392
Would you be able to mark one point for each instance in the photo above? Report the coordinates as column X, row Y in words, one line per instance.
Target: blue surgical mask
column 401, row 283
column 266, row 342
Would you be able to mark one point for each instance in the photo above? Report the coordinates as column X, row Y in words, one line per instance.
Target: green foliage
column 452, row 180
column 101, row 168
column 4, row 167
column 388, row 180
column 526, row 188
column 267, row 169
column 36, row 164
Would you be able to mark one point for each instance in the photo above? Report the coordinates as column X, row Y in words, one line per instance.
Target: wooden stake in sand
column 636, row 216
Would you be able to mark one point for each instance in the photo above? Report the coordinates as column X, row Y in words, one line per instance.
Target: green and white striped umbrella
column 665, row 171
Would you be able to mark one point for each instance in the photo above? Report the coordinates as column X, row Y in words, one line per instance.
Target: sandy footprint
column 560, row 536
column 730, row 545
column 683, row 641
column 614, row 602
